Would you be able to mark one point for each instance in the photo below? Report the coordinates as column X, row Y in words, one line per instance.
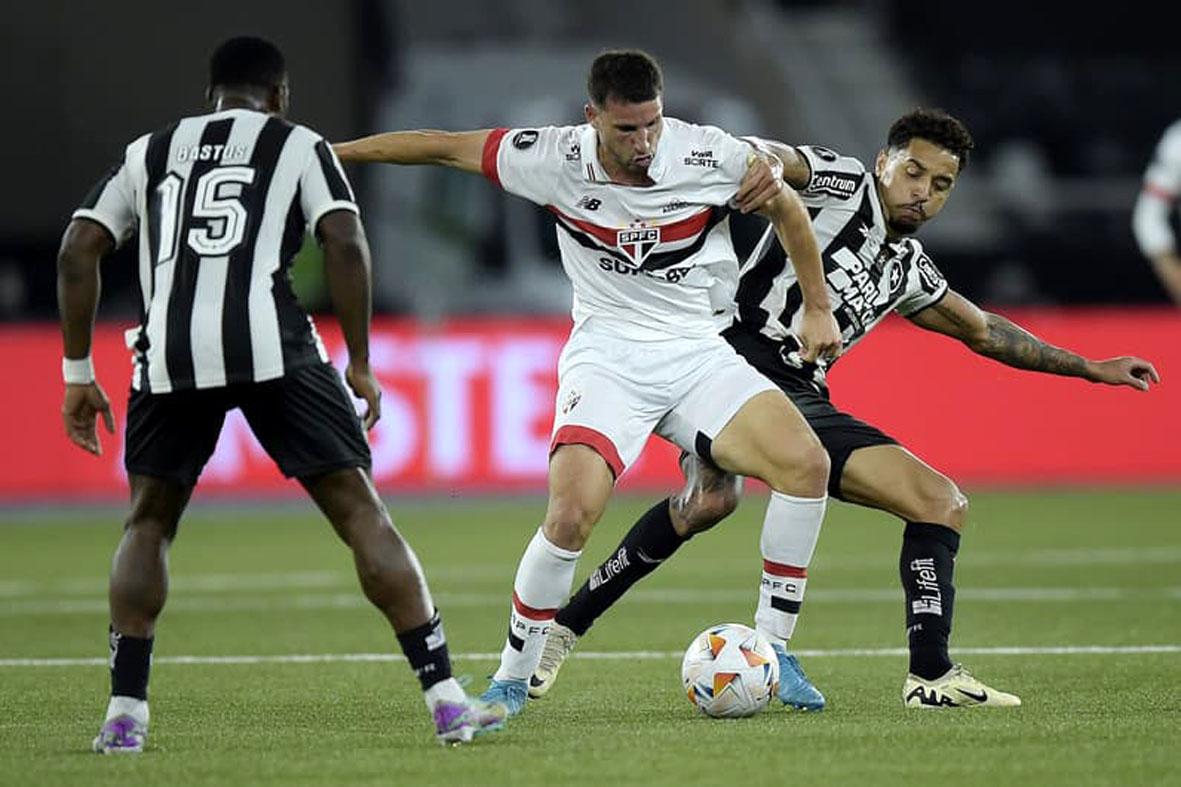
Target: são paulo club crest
column 638, row 242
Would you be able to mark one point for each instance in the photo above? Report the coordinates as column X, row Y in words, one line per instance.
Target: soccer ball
column 729, row 671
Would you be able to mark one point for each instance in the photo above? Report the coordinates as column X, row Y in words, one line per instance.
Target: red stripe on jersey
column 488, row 160
column 526, row 611
column 669, row 233
column 782, row 570
column 582, row 435
column 685, row 228
column 1160, row 192
column 603, row 234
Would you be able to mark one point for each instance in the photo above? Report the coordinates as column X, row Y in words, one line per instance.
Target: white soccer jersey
column 642, row 259
column 868, row 277
column 1159, row 196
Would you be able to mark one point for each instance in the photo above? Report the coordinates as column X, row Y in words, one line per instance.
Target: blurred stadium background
column 472, row 305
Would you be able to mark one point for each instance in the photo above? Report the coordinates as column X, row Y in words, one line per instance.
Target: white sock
column 790, row 531
column 128, row 706
column 447, row 690
column 543, row 581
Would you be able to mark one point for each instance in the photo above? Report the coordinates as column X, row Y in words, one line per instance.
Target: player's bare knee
column 568, row 524
column 146, row 525
column 958, row 510
column 945, row 505
column 801, row 471
column 363, row 523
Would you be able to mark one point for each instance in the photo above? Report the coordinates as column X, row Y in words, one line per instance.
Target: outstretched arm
column 83, row 246
column 462, row 150
column 993, row 336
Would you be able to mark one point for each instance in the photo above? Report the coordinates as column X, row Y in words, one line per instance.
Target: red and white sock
column 544, row 578
column 790, row 531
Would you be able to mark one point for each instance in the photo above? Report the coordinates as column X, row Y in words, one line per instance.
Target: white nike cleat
column 956, row 689
column 558, row 644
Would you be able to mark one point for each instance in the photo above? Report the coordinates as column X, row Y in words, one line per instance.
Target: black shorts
column 840, row 433
column 305, row 420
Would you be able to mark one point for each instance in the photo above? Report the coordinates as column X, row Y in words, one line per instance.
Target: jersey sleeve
column 925, row 284
column 735, row 155
column 323, row 186
column 831, row 174
column 1160, row 192
column 111, row 202
column 526, row 161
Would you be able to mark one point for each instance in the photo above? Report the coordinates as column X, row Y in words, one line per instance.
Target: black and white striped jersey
column 221, row 203
column 868, row 276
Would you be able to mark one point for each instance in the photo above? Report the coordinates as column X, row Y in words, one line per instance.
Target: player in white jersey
column 641, row 203
column 863, row 221
column 1155, row 217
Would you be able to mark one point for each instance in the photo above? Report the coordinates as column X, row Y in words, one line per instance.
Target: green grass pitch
column 1079, row 581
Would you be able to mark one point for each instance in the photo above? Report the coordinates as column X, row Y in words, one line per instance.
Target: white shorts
column 613, row 393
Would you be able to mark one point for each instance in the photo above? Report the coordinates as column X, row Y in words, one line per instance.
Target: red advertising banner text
column 468, row 407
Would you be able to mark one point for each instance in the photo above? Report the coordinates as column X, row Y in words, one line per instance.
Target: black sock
column 426, row 650
column 651, row 541
column 131, row 663
column 926, row 566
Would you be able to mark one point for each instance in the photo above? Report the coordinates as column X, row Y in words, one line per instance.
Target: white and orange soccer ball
column 729, row 671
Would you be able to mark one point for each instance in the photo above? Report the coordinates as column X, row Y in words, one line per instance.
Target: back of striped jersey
column 221, row 203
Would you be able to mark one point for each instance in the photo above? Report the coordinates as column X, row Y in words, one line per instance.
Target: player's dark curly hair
column 933, row 125
column 247, row 61
column 628, row 75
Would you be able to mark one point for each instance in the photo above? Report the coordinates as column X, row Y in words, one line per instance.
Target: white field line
column 353, row 599
column 635, row 655
column 321, row 580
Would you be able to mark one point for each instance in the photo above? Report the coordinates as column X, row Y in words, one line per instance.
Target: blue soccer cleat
column 509, row 693
column 794, row 687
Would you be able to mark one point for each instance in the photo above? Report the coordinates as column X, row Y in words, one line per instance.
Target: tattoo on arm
column 1013, row 345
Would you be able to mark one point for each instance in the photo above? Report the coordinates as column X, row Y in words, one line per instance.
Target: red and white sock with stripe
column 790, row 531
column 543, row 581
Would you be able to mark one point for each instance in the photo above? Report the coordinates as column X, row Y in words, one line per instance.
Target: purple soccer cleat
column 121, row 735
column 459, row 722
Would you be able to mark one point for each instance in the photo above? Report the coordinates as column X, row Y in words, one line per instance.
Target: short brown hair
column 628, row 75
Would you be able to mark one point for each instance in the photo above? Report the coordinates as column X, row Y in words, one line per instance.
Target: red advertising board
column 468, row 408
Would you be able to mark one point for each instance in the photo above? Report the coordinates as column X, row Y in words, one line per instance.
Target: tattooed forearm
column 1010, row 344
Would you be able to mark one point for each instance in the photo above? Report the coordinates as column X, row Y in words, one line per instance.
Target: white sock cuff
column 554, row 549
column 447, row 690
column 791, row 529
column 128, row 706
column 800, row 500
